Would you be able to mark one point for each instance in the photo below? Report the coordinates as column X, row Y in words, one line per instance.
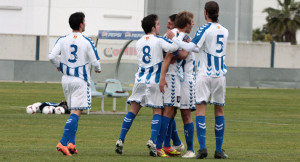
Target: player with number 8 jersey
column 146, row 91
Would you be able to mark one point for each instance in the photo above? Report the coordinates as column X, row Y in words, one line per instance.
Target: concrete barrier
column 44, row 71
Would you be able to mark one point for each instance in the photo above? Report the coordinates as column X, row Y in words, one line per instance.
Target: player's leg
column 167, row 115
column 167, row 142
column 186, row 105
column 77, row 93
column 201, row 130
column 177, row 144
column 156, row 123
column 128, row 119
column 188, row 132
column 71, row 145
column 202, row 93
column 70, row 130
column 155, row 128
column 219, row 131
column 135, row 101
column 154, row 99
column 218, row 99
column 126, row 125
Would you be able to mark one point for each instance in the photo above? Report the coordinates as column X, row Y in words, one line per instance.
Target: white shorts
column 172, row 92
column 77, row 92
column 187, row 95
column 147, row 95
column 214, row 87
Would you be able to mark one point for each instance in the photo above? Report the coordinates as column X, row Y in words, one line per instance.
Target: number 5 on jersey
column 146, row 57
column 220, row 42
column 73, row 53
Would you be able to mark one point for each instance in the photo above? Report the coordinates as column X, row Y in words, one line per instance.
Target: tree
column 258, row 35
column 283, row 23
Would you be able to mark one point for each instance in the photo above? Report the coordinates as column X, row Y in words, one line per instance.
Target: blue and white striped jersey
column 174, row 68
column 211, row 38
column 150, row 55
column 77, row 53
column 188, row 65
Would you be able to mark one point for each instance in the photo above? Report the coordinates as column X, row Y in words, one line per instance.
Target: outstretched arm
column 187, row 46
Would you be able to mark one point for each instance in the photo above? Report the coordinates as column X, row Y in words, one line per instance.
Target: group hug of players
column 166, row 81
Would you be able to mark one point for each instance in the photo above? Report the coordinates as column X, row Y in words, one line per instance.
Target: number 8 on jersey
column 146, row 56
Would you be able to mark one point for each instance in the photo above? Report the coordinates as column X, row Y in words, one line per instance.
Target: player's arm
column 167, row 45
column 165, row 66
column 196, row 50
column 53, row 55
column 94, row 58
column 188, row 39
column 187, row 46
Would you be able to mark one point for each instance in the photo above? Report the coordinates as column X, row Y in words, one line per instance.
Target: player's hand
column 174, row 59
column 162, row 84
column 58, row 69
column 188, row 40
column 97, row 71
column 170, row 34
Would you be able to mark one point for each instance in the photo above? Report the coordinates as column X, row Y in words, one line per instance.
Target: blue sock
column 155, row 127
column 189, row 135
column 69, row 129
column 72, row 138
column 201, row 131
column 219, row 131
column 163, row 130
column 175, row 137
column 167, row 142
column 127, row 122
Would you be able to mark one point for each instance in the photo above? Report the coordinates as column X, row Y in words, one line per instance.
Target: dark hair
column 183, row 18
column 172, row 17
column 148, row 22
column 212, row 9
column 76, row 19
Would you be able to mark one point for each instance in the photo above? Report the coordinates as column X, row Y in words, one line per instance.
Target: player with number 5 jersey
column 211, row 39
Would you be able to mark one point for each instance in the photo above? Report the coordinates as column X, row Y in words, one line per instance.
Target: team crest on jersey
column 75, row 36
column 218, row 27
column 147, row 38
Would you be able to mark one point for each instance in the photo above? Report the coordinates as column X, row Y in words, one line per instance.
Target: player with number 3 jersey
column 77, row 54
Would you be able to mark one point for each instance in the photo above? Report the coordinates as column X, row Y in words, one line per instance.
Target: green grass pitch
column 261, row 125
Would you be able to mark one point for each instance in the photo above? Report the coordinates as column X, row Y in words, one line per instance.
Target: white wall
column 33, row 17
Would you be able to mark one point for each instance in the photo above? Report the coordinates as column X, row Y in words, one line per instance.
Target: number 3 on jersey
column 73, row 53
column 146, row 56
column 220, row 42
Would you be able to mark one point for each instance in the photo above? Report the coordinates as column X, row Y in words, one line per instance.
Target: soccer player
column 172, row 130
column 211, row 39
column 146, row 90
column 77, row 53
column 171, row 78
